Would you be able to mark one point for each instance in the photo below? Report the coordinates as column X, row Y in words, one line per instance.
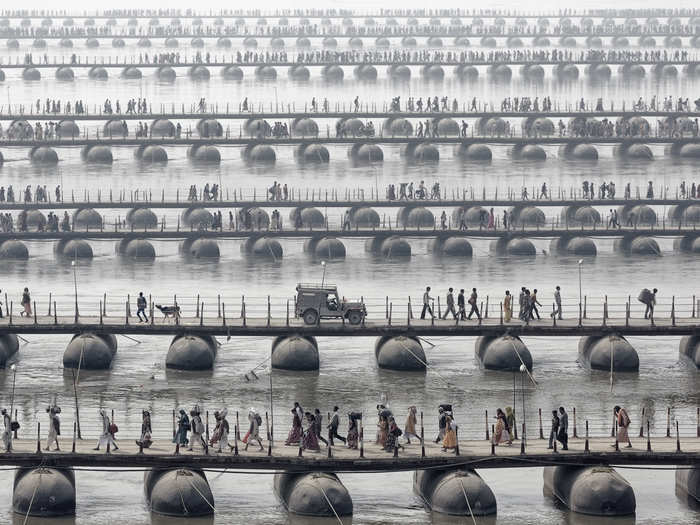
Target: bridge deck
column 235, row 325
column 446, row 32
column 473, row 454
column 338, row 203
column 336, row 114
column 245, row 141
column 692, row 60
column 545, row 232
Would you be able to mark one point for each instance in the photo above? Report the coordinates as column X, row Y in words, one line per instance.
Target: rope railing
column 209, row 306
column 336, row 196
column 472, row 422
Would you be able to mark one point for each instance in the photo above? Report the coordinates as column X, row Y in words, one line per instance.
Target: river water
column 348, row 375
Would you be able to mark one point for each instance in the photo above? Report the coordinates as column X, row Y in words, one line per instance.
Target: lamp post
column 74, row 264
column 323, row 278
column 580, row 285
column 12, row 397
column 523, row 370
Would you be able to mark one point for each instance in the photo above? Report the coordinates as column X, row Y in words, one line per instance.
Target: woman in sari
column 183, row 426
column 310, row 441
column 393, row 433
column 146, row 431
column 491, row 224
column 410, row 427
column 507, row 312
column 623, row 423
column 501, row 433
column 449, row 442
column 382, row 431
column 510, row 421
column 295, row 434
column 353, row 431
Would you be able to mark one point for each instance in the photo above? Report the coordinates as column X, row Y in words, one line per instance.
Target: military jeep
column 315, row 302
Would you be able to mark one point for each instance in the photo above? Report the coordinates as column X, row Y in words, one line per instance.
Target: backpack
column 258, row 419
column 199, row 426
column 645, row 296
column 113, row 429
column 14, row 426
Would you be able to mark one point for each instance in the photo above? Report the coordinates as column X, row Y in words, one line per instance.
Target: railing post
column 586, row 446
column 201, row 317
column 486, row 419
column 678, row 439
column 457, row 440
column 668, row 422
column 422, row 436
column 673, row 310
column 648, row 437
column 539, row 410
column 38, row 437
column 575, row 433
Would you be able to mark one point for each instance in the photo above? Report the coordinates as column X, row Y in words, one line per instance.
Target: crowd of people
column 308, row 430
column 40, row 194
column 407, row 191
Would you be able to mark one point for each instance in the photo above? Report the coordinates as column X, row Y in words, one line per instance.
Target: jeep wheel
column 354, row 317
column 310, row 316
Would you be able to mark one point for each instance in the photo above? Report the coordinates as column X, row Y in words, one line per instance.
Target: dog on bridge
column 169, row 311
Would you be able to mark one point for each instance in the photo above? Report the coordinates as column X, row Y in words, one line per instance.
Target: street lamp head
column 523, row 368
column 72, row 263
column 323, row 263
column 13, row 367
column 580, row 262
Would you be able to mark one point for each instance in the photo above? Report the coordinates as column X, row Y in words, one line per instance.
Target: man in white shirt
column 426, row 304
column 557, row 303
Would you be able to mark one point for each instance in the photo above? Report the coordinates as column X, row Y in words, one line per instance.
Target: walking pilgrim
column 107, row 436
column 254, row 429
column 54, row 426
column 410, row 427
column 221, row 431
column 295, row 433
column 145, row 441
column 197, row 436
column 7, row 430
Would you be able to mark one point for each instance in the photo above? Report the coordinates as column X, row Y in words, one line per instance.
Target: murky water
column 348, row 375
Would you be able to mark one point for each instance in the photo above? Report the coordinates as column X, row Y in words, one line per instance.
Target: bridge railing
column 474, row 423
column 504, row 196
column 216, row 308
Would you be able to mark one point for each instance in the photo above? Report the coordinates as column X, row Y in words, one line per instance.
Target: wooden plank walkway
column 244, row 141
column 173, row 232
column 342, row 202
column 363, row 114
column 473, row 454
column 444, row 32
column 260, row 326
column 693, row 60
